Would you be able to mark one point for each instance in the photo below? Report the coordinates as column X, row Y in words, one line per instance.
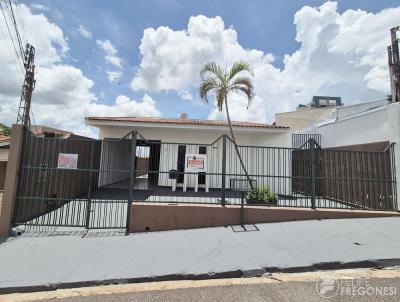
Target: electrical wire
column 11, row 12
column 12, row 39
column 11, row 53
column 33, row 117
column 21, row 21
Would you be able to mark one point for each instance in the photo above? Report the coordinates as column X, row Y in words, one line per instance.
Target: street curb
column 377, row 263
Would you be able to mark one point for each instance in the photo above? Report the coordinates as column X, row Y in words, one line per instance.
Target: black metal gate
column 65, row 182
column 89, row 183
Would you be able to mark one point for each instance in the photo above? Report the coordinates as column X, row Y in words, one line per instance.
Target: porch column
column 11, row 181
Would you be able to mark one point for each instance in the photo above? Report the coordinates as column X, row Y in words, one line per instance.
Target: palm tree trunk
column 235, row 144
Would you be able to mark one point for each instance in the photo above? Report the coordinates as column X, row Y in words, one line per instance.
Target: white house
column 178, row 137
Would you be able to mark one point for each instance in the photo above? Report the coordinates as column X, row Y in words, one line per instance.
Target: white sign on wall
column 196, row 163
column 67, row 161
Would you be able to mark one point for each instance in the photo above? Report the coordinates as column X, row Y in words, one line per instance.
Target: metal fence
column 300, row 177
column 112, row 173
column 50, row 195
column 299, row 139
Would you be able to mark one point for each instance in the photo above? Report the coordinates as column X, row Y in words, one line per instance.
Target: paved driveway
column 36, row 260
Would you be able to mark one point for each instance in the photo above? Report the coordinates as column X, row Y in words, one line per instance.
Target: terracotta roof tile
column 179, row 121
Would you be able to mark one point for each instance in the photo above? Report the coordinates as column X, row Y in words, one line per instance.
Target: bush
column 261, row 194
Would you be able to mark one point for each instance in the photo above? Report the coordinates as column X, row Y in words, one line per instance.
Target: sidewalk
column 71, row 261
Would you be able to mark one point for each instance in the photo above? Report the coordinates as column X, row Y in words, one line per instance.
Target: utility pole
column 394, row 64
column 28, row 86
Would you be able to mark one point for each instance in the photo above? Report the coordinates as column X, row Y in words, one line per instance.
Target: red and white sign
column 196, row 163
column 67, row 161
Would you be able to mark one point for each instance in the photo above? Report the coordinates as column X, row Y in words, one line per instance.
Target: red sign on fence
column 67, row 161
column 196, row 163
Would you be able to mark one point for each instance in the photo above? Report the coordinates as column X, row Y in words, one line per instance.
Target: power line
column 21, row 48
column 11, row 37
column 33, row 117
column 11, row 53
column 21, row 21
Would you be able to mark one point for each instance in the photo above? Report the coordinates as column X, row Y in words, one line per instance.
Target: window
column 202, row 175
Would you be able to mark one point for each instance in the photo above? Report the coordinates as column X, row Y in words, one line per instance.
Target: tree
column 5, row 130
column 220, row 82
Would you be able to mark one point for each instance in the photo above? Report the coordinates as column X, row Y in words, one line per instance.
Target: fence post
column 18, row 135
column 312, row 172
column 223, row 182
column 89, row 202
column 132, row 179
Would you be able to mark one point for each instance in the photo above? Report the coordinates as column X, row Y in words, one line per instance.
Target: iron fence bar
column 132, row 178
column 216, row 140
column 88, row 206
column 223, row 184
column 242, row 210
column 77, row 170
column 312, row 167
column 394, row 177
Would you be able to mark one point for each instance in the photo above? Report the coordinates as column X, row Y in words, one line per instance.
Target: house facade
column 171, row 140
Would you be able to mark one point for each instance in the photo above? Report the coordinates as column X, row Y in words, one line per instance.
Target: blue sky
column 264, row 25
column 333, row 53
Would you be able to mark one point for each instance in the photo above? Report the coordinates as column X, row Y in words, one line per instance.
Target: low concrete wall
column 160, row 217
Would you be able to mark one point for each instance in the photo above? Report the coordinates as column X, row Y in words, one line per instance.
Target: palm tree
column 220, row 82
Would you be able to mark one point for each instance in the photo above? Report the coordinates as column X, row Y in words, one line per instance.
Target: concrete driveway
column 76, row 259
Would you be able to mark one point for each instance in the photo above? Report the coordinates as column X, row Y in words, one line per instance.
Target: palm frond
column 206, row 86
column 247, row 90
column 238, row 67
column 214, row 69
column 244, row 81
column 220, row 95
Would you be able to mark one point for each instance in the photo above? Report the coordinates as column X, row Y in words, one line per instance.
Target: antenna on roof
column 184, row 116
column 394, row 64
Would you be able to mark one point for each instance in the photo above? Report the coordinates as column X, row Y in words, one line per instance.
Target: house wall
column 380, row 124
column 257, row 160
column 114, row 161
column 3, row 169
column 277, row 139
column 3, row 154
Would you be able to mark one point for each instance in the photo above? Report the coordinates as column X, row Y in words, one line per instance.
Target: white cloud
column 124, row 106
column 84, row 32
column 111, row 52
column 63, row 95
column 339, row 54
column 39, row 6
column 113, row 75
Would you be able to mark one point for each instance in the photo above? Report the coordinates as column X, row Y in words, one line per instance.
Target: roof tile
column 180, row 121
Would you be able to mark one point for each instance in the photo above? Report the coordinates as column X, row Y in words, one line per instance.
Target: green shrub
column 273, row 197
column 261, row 194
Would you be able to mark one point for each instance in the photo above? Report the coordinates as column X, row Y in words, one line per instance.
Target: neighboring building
column 38, row 130
column 307, row 115
column 4, row 146
column 44, row 131
column 376, row 123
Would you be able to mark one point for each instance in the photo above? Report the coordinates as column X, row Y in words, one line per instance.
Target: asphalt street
column 286, row 291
